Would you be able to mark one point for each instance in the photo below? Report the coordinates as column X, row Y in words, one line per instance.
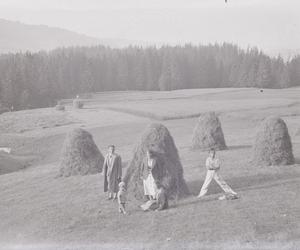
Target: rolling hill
column 16, row 36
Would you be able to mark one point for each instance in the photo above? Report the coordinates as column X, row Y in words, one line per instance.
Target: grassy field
column 38, row 210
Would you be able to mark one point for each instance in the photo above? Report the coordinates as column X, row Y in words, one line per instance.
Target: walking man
column 213, row 167
column 112, row 173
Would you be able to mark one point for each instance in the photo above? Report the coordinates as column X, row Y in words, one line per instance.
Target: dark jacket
column 112, row 173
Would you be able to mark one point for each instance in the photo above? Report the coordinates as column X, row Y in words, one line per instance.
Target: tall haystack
column 272, row 144
column 208, row 133
column 80, row 155
column 158, row 139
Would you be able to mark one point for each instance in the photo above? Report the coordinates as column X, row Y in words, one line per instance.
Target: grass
column 147, row 114
column 12, row 163
column 184, row 106
column 29, row 120
column 40, row 211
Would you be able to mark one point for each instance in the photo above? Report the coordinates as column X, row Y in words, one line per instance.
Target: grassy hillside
column 38, row 210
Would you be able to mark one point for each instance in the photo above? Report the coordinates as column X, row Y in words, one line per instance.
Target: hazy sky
column 269, row 24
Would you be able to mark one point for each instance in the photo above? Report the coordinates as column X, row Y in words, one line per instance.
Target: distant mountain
column 16, row 37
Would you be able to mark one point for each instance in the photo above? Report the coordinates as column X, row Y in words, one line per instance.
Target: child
column 122, row 197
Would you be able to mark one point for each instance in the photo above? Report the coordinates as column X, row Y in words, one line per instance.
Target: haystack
column 158, row 139
column 272, row 144
column 60, row 107
column 78, row 104
column 80, row 154
column 208, row 133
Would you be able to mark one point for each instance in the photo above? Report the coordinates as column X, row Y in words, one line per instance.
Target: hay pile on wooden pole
column 272, row 145
column 158, row 139
column 80, row 155
column 208, row 133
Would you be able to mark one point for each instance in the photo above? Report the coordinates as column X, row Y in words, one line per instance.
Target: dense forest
column 31, row 80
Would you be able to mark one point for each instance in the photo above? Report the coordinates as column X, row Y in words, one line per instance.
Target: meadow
column 39, row 210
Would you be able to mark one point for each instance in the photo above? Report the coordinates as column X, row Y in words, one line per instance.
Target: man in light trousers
column 213, row 167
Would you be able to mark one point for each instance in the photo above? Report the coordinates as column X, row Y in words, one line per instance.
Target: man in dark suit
column 112, row 172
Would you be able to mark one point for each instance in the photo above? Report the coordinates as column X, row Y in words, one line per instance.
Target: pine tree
column 264, row 76
column 39, row 79
column 165, row 79
column 294, row 71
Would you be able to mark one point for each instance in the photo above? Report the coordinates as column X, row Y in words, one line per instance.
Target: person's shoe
column 109, row 198
column 228, row 197
column 115, row 198
column 222, row 198
column 232, row 197
column 200, row 196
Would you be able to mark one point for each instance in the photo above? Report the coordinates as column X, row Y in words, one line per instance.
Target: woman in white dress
column 150, row 186
column 154, row 173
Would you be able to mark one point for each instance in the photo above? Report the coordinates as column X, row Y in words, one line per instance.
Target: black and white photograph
column 149, row 125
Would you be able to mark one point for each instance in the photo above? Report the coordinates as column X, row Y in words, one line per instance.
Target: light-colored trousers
column 213, row 174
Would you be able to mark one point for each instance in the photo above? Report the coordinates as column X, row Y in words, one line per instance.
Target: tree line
column 32, row 80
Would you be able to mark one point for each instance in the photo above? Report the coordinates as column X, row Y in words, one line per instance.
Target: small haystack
column 60, row 107
column 272, row 144
column 80, row 154
column 158, row 139
column 208, row 133
column 78, row 104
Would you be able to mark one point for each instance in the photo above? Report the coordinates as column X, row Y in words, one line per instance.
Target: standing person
column 152, row 173
column 213, row 166
column 112, row 173
column 122, row 198
column 150, row 188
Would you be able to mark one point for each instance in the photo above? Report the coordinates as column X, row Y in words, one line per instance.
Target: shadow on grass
column 255, row 182
column 297, row 160
column 243, row 183
column 90, row 108
column 236, row 147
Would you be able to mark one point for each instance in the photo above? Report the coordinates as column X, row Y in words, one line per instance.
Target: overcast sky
column 268, row 24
